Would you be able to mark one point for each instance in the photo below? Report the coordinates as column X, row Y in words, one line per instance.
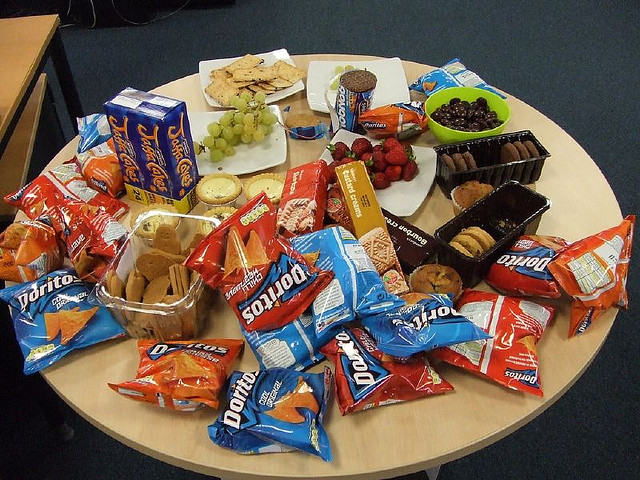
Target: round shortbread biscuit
column 460, row 248
column 470, row 243
column 481, row 236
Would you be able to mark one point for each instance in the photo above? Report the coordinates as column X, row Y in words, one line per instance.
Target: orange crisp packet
column 101, row 169
column 594, row 272
column 28, row 250
column 181, row 375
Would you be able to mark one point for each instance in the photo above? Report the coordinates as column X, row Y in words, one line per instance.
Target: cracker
column 221, row 90
column 247, row 61
column 288, row 72
column 254, row 74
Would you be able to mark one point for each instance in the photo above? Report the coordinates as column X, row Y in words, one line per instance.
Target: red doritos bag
column 367, row 378
column 510, row 357
column 266, row 282
column 594, row 272
column 181, row 375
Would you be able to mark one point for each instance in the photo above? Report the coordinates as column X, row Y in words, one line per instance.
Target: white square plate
column 270, row 58
column 401, row 198
column 392, row 84
column 249, row 158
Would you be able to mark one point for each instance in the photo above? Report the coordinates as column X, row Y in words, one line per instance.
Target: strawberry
column 361, row 145
column 409, row 171
column 338, row 150
column 380, row 181
column 379, row 163
column 366, row 158
column 397, row 156
column 377, row 147
column 393, row 172
column 390, row 143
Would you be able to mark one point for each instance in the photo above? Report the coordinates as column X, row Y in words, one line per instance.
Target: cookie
column 470, row 161
column 448, row 161
column 531, row 148
column 135, row 286
column 481, row 236
column 179, row 280
column 458, row 160
column 469, row 243
column 166, row 239
column 460, row 248
column 156, row 290
column 434, row 278
column 509, row 153
column 156, row 263
column 522, row 150
column 115, row 286
column 394, row 282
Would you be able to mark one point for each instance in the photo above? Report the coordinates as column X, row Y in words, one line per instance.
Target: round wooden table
column 387, row 441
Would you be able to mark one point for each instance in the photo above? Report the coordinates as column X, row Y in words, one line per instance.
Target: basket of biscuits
column 147, row 288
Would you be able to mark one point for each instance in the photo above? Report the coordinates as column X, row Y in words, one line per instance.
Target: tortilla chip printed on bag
column 101, row 169
column 275, row 410
column 509, row 357
column 52, row 316
column 265, row 281
column 181, row 375
column 28, row 250
column 367, row 378
column 594, row 272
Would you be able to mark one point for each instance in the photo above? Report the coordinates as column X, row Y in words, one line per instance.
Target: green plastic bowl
column 470, row 94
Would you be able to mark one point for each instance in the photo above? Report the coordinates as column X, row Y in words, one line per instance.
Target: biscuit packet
column 594, row 272
column 101, row 169
column 275, row 410
column 52, row 316
column 265, row 281
column 28, row 250
column 510, row 356
column 365, row 377
column 181, row 375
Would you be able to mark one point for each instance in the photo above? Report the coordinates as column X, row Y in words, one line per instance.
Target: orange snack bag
column 594, row 272
column 401, row 120
column 28, row 250
column 181, row 375
column 101, row 169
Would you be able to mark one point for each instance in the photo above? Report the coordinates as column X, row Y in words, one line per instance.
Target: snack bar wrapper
column 28, row 250
column 594, row 272
column 452, row 74
column 275, row 410
column 52, row 316
column 509, row 357
column 401, row 120
column 367, row 378
column 356, row 288
column 428, row 322
column 101, row 169
column 181, row 375
column 265, row 281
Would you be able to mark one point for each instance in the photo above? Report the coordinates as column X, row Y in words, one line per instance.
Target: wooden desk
column 387, row 441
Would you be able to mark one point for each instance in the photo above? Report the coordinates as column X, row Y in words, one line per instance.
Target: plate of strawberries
column 401, row 174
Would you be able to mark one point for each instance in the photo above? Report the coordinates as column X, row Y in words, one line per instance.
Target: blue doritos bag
column 275, row 410
column 295, row 345
column 430, row 323
column 52, row 316
column 451, row 74
column 356, row 289
column 93, row 130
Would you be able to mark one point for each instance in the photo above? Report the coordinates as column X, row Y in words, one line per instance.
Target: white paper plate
column 249, row 158
column 270, row 58
column 392, row 84
column 401, row 198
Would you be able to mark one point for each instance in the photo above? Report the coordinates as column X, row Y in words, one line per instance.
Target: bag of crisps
column 275, row 410
column 28, row 250
column 401, row 120
column 181, row 375
column 594, row 272
column 101, row 169
column 52, row 316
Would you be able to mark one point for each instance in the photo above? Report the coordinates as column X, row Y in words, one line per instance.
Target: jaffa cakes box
column 153, row 141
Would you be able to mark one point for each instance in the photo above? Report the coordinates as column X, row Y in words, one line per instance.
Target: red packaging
column 523, row 269
column 594, row 272
column 266, row 282
column 367, row 378
column 510, row 357
column 101, row 169
column 304, row 199
column 181, row 375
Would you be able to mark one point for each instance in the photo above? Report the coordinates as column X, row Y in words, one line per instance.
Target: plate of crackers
column 273, row 73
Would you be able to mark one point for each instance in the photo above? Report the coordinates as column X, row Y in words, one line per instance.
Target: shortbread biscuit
column 135, row 286
column 378, row 245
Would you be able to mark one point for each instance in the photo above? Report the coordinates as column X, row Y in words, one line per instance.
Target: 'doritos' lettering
column 155, row 161
column 241, row 391
column 361, row 373
column 181, row 151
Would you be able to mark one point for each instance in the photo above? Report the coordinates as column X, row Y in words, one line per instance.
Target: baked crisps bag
column 594, row 272
column 275, row 410
column 52, row 316
column 425, row 322
column 356, row 288
column 523, row 269
column 509, row 357
column 265, row 281
column 28, row 250
column 366, row 378
column 181, row 375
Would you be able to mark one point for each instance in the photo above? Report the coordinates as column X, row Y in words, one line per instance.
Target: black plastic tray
column 508, row 212
column 486, row 152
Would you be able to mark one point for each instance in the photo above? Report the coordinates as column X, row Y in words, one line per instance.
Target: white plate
column 249, row 158
column 392, row 84
column 401, row 198
column 270, row 58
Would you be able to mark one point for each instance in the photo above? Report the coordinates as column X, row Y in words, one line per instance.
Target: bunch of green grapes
column 337, row 73
column 250, row 121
